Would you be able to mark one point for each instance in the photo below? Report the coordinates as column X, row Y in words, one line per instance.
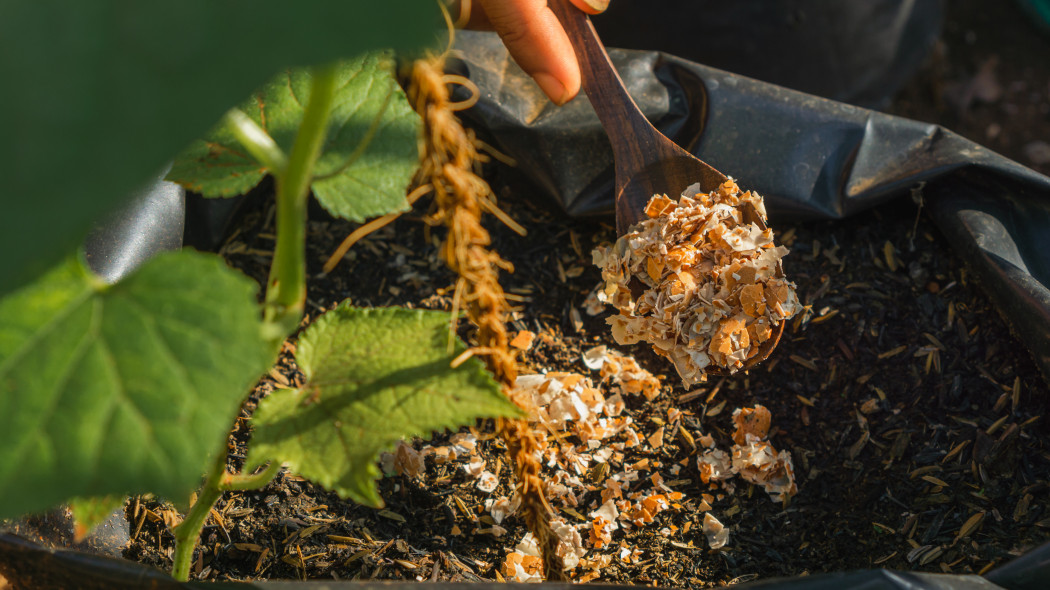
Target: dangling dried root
column 371, row 226
column 449, row 156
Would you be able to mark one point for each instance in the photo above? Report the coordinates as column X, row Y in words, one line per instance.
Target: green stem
column 231, row 482
column 257, row 141
column 188, row 532
column 286, row 291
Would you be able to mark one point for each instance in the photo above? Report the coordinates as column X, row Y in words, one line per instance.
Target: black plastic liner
column 855, row 51
column 151, row 222
column 811, row 158
column 29, row 566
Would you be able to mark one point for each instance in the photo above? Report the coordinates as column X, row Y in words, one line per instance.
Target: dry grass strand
column 370, row 227
column 449, row 158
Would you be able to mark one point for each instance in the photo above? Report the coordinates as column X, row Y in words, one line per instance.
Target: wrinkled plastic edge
column 152, row 221
column 62, row 567
column 1031, row 571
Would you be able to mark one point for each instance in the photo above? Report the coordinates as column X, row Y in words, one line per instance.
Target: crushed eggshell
column 463, row 444
column 405, row 460
column 717, row 534
column 711, row 280
column 751, row 421
column 601, row 532
column 759, row 463
column 487, row 482
column 630, row 554
column 591, row 304
column 568, row 402
column 622, row 372
column 523, row 564
column 583, row 430
column 570, row 543
column 474, row 467
column 593, row 567
column 755, row 460
column 523, row 340
column 594, row 358
column 502, row 507
column 646, row 508
column 593, row 417
column 521, row 567
column 714, row 465
column 608, row 512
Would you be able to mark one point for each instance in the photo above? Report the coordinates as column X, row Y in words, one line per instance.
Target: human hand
column 535, row 39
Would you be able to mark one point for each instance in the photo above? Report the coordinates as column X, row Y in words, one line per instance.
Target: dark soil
column 910, row 410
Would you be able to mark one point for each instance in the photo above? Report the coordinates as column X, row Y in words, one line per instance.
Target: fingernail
column 597, row 5
column 552, row 87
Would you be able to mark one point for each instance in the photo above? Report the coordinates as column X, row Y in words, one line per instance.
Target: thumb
column 537, row 42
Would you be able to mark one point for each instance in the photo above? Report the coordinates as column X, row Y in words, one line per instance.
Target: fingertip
column 591, row 6
column 538, row 43
column 555, row 89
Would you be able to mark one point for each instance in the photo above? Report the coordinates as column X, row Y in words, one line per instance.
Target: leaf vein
column 46, row 329
column 60, row 385
column 154, row 447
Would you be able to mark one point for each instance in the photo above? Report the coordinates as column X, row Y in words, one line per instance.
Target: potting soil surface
column 915, row 421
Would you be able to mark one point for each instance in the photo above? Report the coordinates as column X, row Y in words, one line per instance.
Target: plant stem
column 286, row 290
column 257, row 141
column 188, row 532
column 231, row 482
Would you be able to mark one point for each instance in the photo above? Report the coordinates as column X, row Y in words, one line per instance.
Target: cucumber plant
column 107, row 390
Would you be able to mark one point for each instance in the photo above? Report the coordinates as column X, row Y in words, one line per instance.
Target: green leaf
column 368, row 158
column 98, row 96
column 127, row 388
column 88, row 513
column 374, row 377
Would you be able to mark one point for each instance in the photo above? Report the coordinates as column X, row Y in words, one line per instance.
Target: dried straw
column 449, row 156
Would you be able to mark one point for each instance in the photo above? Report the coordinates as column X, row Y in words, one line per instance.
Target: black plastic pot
column 30, row 566
column 818, row 159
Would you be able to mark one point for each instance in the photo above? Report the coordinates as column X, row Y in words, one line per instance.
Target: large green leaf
column 368, row 158
column 125, row 388
column 374, row 376
column 99, row 95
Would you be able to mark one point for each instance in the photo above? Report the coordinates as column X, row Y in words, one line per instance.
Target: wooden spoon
column 646, row 162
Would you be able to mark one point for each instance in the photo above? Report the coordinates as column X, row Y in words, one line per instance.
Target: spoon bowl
column 666, row 177
column 646, row 162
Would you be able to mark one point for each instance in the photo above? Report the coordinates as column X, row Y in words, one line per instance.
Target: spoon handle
column 635, row 142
